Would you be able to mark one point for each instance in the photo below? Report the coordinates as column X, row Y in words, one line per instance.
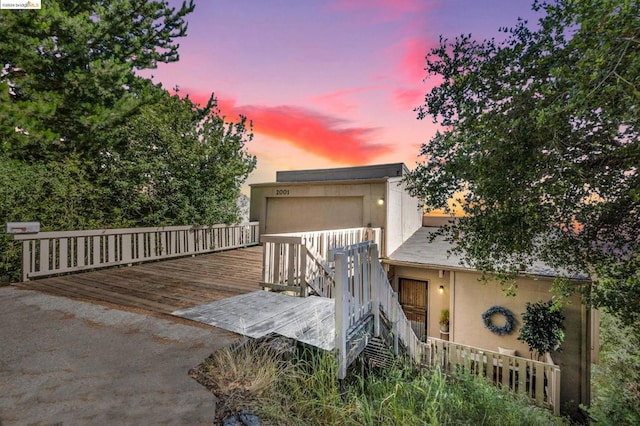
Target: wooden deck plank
column 310, row 320
column 163, row 286
column 88, row 294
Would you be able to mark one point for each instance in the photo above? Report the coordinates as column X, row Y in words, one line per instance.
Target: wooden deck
column 165, row 286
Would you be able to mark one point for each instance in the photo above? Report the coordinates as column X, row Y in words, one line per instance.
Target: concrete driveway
column 64, row 362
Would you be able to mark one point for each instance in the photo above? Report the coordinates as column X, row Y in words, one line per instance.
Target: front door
column 413, row 298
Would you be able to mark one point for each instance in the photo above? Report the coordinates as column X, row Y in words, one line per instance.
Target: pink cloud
column 408, row 98
column 316, row 133
column 413, row 63
column 319, row 134
column 410, row 74
column 395, row 7
column 338, row 101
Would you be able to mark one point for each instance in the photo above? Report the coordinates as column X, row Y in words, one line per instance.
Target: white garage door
column 313, row 213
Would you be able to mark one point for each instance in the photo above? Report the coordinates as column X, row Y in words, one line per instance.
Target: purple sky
column 326, row 83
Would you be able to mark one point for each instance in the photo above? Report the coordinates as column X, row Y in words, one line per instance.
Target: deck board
column 165, row 286
column 309, row 320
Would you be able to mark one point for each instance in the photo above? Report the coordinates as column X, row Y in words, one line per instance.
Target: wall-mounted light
column 441, row 289
column 381, row 201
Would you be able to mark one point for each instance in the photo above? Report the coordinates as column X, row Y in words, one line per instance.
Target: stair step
column 378, row 353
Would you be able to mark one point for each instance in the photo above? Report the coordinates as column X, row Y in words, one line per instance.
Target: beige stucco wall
column 307, row 206
column 468, row 298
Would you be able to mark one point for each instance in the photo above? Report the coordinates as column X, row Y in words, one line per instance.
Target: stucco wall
column 471, row 298
column 307, row 206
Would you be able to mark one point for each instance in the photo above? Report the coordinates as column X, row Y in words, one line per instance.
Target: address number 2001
column 282, row 192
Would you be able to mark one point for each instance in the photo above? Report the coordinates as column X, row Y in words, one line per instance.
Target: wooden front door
column 413, row 298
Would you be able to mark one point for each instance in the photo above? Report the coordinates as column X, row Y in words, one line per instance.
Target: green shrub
column 616, row 380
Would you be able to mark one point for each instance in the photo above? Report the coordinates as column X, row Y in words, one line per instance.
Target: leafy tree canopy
column 540, row 148
column 86, row 143
column 181, row 165
column 68, row 70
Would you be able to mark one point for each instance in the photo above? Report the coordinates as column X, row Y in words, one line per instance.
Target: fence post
column 394, row 322
column 556, row 391
column 374, row 275
column 342, row 311
column 304, row 284
column 26, row 260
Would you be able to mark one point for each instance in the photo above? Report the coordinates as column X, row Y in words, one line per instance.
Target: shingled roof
column 419, row 251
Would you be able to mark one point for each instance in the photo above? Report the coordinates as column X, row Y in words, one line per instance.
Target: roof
column 417, row 250
column 375, row 171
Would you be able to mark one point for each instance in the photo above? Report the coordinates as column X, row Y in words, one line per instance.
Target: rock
column 243, row 418
column 231, row 420
column 249, row 419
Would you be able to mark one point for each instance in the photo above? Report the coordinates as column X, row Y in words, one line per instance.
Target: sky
column 326, row 83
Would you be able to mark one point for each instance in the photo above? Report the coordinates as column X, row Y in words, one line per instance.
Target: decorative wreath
column 509, row 323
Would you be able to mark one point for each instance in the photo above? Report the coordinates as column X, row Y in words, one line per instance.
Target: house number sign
column 282, row 192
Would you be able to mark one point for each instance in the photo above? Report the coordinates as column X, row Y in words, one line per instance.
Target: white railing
column 538, row 380
column 362, row 291
column 50, row 253
column 298, row 261
column 401, row 328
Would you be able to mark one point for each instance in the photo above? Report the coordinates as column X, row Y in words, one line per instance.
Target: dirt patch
column 94, row 324
column 68, row 315
column 164, row 340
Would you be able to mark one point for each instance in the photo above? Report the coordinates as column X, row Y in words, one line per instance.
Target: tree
column 542, row 327
column 540, row 148
column 69, row 70
column 181, row 165
column 616, row 379
column 86, row 143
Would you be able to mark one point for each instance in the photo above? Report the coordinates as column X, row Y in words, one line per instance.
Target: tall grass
column 304, row 390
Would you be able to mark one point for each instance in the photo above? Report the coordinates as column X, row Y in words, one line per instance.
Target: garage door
column 313, row 214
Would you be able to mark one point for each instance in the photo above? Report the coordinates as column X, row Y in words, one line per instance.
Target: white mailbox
column 23, row 227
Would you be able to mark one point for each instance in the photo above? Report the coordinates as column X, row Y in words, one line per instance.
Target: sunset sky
column 326, row 83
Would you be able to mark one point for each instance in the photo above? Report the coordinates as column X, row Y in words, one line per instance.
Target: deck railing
column 50, row 253
column 298, row 262
column 538, row 380
column 363, row 291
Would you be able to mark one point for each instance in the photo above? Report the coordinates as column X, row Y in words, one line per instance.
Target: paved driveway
column 64, row 362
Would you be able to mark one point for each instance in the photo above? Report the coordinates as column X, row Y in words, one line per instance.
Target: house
column 428, row 280
column 425, row 277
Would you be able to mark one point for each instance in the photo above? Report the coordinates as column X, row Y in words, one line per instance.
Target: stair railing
column 298, row 262
column 363, row 292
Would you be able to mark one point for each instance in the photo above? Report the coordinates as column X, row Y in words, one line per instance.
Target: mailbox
column 23, row 227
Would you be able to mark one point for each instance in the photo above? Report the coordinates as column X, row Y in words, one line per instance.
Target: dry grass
column 244, row 375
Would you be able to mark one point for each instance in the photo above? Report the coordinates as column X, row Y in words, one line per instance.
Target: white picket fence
column 51, row 253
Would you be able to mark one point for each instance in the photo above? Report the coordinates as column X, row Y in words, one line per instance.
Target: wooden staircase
column 370, row 321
